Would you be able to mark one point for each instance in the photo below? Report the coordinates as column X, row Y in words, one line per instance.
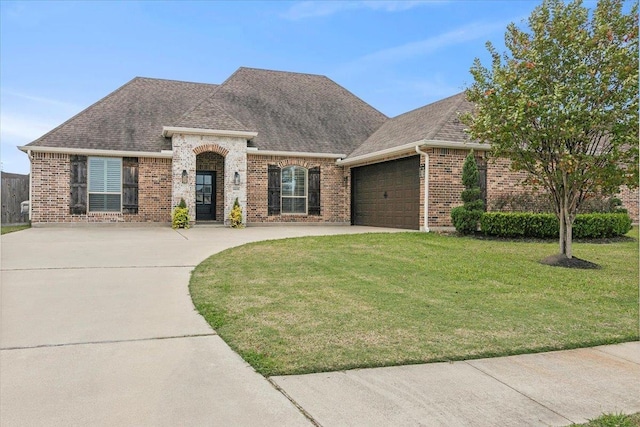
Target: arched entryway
column 209, row 187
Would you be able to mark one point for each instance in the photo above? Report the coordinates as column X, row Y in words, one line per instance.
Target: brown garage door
column 387, row 194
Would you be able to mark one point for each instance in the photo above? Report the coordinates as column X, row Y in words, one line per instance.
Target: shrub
column 541, row 203
column 236, row 215
column 465, row 218
column 598, row 225
column 585, row 226
column 601, row 204
column 522, row 202
column 180, row 216
column 465, row 221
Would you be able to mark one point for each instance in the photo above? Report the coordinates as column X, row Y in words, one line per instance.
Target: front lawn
column 613, row 420
column 331, row 303
column 11, row 228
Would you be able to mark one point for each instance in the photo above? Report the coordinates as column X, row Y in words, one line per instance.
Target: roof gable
column 290, row 111
column 130, row 118
column 437, row 122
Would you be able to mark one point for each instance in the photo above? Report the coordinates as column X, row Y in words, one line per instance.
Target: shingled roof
column 129, row 119
column 437, row 122
column 290, row 112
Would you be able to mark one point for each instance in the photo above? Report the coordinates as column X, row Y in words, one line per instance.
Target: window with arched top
column 294, row 190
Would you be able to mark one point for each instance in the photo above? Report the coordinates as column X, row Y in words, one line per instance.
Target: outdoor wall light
column 421, row 171
column 185, row 177
column 236, row 178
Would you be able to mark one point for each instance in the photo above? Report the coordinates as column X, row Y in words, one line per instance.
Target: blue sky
column 57, row 58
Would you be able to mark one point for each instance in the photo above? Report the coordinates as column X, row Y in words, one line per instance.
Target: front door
column 205, row 195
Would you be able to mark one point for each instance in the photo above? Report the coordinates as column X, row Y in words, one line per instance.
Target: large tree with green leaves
column 562, row 102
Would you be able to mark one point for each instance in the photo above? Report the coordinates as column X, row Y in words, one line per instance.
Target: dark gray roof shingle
column 437, row 121
column 290, row 111
column 130, row 118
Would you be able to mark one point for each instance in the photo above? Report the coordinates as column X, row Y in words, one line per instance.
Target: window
column 294, row 190
column 105, row 184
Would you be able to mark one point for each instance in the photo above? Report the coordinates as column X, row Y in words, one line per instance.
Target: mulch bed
column 563, row 261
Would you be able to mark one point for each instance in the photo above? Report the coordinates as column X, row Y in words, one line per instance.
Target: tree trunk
column 563, row 241
column 566, row 232
column 566, row 222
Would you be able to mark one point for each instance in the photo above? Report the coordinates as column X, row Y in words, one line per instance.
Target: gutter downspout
column 30, row 179
column 426, row 187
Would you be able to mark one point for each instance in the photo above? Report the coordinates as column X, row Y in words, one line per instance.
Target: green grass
column 331, row 303
column 11, row 228
column 614, row 420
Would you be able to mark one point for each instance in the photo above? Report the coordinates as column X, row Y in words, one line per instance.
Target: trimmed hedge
column 585, row 226
column 465, row 221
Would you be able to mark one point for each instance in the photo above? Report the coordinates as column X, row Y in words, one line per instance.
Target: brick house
column 291, row 147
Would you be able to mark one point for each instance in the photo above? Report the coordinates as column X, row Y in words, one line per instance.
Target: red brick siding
column 51, row 175
column 501, row 180
column 210, row 161
column 50, row 192
column 154, row 191
column 334, row 193
column 630, row 201
column 445, row 184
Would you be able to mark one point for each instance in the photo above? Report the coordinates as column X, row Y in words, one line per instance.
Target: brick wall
column 51, row 190
column 334, row 190
column 186, row 149
column 154, row 191
column 51, row 176
column 630, row 201
column 50, row 187
column 501, row 180
column 445, row 184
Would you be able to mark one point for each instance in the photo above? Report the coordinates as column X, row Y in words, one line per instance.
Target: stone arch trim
column 295, row 162
column 211, row 148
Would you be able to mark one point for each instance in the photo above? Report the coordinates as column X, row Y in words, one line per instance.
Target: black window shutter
column 274, row 190
column 78, row 199
column 314, row 191
column 130, row 185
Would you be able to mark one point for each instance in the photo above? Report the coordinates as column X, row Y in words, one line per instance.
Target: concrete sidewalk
column 97, row 328
column 545, row 389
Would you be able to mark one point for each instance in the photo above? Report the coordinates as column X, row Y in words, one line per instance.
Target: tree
column 465, row 218
column 562, row 103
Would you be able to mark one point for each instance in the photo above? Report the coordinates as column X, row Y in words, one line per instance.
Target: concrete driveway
column 97, row 328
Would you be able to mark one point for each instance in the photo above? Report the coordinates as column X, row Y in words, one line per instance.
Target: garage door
column 387, row 194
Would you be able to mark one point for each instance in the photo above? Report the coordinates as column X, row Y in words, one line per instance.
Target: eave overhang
column 164, row 154
column 169, row 131
column 410, row 149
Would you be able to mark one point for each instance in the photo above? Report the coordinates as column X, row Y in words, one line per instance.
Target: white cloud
column 24, row 129
column 40, row 100
column 432, row 44
column 313, row 9
column 24, row 118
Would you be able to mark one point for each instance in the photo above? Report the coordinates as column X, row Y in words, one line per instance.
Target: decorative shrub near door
column 235, row 216
column 180, row 215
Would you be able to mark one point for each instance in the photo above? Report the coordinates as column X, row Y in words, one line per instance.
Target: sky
column 58, row 58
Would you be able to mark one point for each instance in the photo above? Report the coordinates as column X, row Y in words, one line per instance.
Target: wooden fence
column 15, row 189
